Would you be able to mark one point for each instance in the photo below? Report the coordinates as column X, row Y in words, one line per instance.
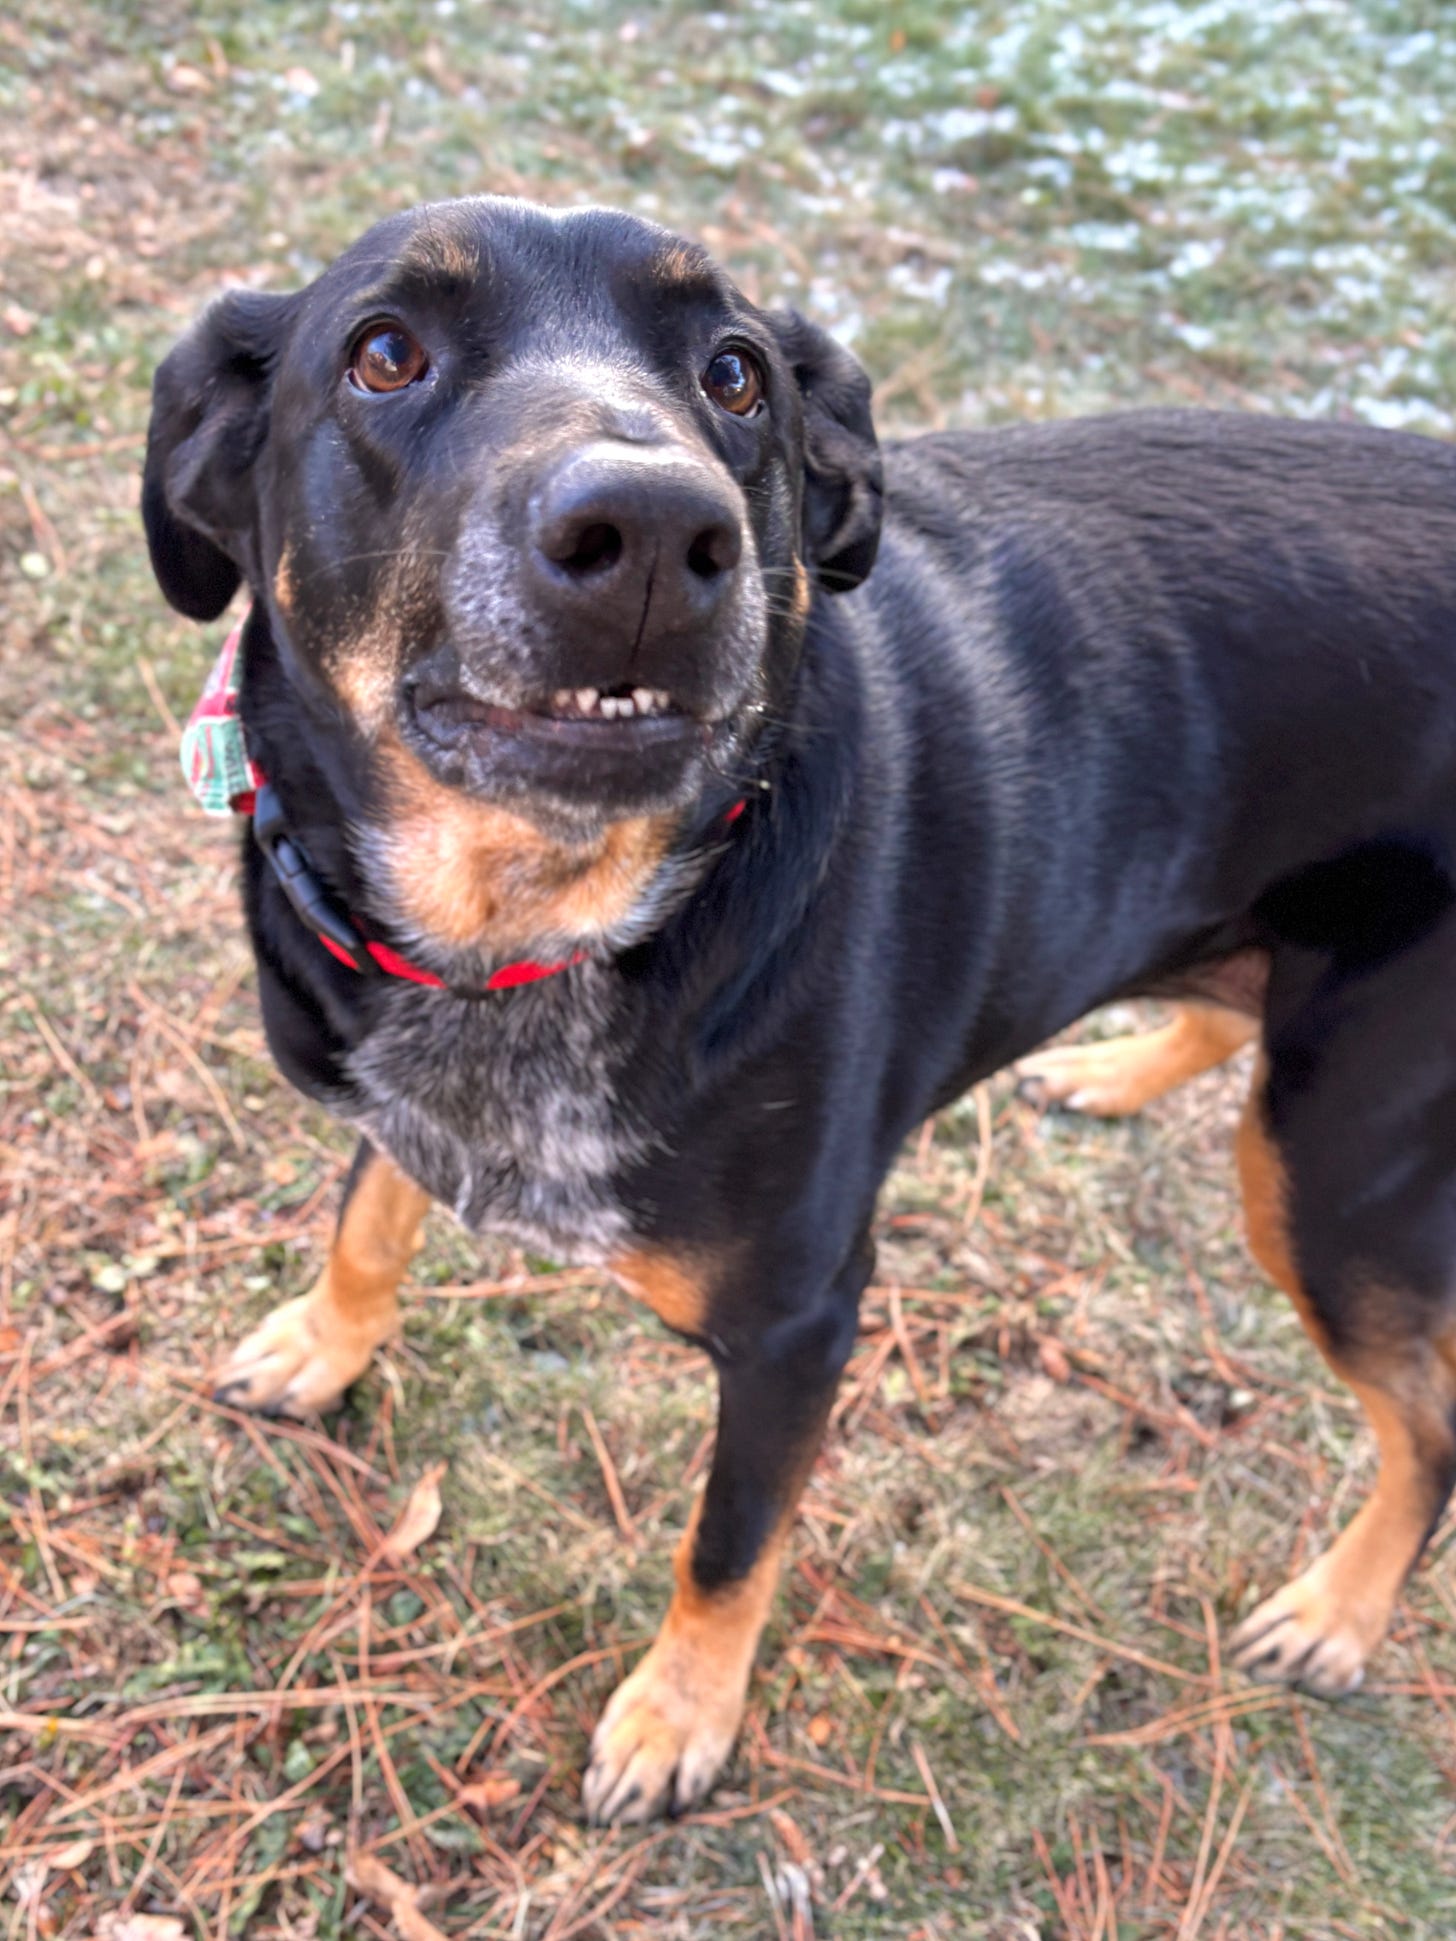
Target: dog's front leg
column 302, row 1357
column 670, row 1725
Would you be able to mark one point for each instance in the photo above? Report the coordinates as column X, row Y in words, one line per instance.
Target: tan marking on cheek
column 283, row 587
column 803, row 592
column 675, row 1291
column 371, row 638
column 364, row 678
column 471, row 874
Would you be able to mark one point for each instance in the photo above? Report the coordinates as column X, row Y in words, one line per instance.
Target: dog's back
column 1156, row 663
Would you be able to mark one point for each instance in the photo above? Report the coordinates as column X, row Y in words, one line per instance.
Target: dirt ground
column 1079, row 1436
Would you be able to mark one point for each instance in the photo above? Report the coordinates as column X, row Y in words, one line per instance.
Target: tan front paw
column 1108, row 1079
column 1308, row 1634
column 664, row 1736
column 300, row 1359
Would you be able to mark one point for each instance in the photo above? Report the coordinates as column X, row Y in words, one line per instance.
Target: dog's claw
column 1101, row 1078
column 297, row 1362
column 1305, row 1635
column 662, row 1740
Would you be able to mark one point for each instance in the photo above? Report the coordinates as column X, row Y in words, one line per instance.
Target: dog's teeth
column 611, row 707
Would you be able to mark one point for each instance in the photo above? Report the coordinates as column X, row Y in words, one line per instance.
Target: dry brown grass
column 1077, row 1436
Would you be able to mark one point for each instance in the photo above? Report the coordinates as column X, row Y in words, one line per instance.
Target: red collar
column 527, row 971
column 224, row 777
column 341, row 934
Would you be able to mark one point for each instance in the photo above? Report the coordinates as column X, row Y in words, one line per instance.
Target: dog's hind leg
column 1352, row 1244
column 304, row 1355
column 1119, row 1076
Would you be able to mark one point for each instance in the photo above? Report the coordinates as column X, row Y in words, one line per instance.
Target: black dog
column 555, row 653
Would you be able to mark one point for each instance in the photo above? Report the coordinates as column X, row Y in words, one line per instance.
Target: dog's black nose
column 642, row 540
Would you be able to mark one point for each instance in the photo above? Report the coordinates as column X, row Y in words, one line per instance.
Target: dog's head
column 536, row 496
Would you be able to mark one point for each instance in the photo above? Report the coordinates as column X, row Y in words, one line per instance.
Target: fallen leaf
column 29, row 1882
column 314, row 1830
column 1053, row 1358
column 75, row 1855
column 141, row 1927
column 182, row 79
column 800, row 1852
column 417, row 1520
column 489, row 1793
column 184, row 1585
column 387, row 1890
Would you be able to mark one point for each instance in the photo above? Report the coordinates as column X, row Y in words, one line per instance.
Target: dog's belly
column 504, row 1112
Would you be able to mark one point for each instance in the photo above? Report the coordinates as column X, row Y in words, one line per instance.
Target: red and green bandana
column 215, row 757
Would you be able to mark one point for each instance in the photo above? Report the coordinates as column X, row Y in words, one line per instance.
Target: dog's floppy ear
column 209, row 421
column 843, row 475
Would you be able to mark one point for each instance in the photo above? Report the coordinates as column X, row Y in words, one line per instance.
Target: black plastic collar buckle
column 310, row 900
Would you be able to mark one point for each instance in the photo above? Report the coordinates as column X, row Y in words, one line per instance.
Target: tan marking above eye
column 387, row 358
column 734, row 382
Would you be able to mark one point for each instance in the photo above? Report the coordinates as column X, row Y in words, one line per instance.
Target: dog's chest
column 505, row 1110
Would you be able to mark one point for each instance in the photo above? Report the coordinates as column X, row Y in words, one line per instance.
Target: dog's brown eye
column 387, row 359
column 735, row 382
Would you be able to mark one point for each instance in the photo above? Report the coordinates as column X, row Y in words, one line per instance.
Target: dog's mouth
column 583, row 717
column 624, row 748
column 450, row 712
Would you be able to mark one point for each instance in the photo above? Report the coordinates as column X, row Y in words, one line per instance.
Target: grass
column 1079, row 1435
